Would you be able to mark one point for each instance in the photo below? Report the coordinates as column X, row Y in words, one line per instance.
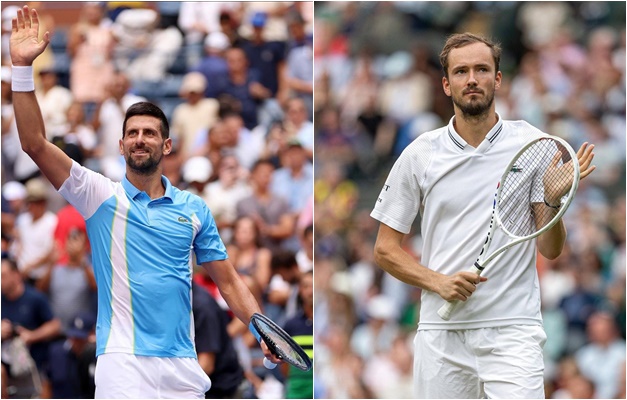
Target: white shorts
column 495, row 363
column 120, row 375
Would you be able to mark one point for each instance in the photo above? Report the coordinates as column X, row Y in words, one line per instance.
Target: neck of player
column 151, row 184
column 474, row 128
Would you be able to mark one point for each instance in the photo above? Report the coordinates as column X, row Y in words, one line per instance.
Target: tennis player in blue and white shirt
column 493, row 347
column 142, row 233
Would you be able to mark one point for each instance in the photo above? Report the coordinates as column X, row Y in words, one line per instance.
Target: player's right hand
column 459, row 286
column 24, row 43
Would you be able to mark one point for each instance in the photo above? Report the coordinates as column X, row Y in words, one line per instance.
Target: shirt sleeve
column 86, row 190
column 208, row 245
column 400, row 199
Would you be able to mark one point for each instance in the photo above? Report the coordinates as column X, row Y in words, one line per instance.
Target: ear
column 121, row 145
column 498, row 79
column 446, row 86
column 167, row 146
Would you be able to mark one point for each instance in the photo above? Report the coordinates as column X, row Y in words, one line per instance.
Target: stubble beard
column 147, row 167
column 474, row 109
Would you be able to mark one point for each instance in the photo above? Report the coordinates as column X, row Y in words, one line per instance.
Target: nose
column 472, row 81
column 140, row 137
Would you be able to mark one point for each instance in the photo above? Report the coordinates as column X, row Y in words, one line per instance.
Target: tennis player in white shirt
column 492, row 346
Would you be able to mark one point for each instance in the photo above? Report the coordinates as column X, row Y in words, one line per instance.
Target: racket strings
column 281, row 346
column 532, row 180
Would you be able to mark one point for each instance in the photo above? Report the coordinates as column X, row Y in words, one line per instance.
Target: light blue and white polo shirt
column 141, row 250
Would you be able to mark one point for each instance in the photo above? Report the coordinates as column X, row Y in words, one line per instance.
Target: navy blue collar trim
column 461, row 146
column 491, row 138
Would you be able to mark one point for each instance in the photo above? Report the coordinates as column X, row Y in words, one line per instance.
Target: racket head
column 280, row 343
column 523, row 184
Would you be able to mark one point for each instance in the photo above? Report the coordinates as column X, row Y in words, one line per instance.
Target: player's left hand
column 585, row 156
column 557, row 179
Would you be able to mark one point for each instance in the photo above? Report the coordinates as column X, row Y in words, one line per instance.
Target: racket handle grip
column 447, row 309
column 268, row 364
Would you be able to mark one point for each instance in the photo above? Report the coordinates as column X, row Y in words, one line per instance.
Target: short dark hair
column 260, row 162
column 458, row 40
column 283, row 259
column 10, row 261
column 147, row 108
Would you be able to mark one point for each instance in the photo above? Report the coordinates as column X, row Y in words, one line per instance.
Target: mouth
column 139, row 152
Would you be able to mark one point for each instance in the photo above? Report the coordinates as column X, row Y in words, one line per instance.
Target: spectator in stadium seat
column 108, row 118
column 297, row 124
column 283, row 288
column 247, row 254
column 270, row 212
column 601, row 359
column 268, row 59
column 299, row 63
column 26, row 313
column 200, row 19
column 216, row 353
column 293, row 180
column 223, row 195
column 247, row 144
column 34, row 245
column 72, row 375
column 70, row 286
column 243, row 84
column 213, row 65
column 16, row 165
column 196, row 113
column 145, row 48
column 90, row 45
column 54, row 102
column 299, row 384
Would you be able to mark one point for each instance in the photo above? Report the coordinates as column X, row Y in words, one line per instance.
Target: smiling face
column 142, row 144
column 472, row 79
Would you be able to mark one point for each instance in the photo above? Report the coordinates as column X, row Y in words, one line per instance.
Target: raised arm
column 551, row 242
column 25, row 47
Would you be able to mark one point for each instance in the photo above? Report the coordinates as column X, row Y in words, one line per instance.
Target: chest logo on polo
column 183, row 220
column 516, row 168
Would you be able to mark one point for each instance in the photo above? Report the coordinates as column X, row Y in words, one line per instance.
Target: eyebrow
column 462, row 66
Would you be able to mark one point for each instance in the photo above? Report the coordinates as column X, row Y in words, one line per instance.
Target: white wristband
column 22, row 79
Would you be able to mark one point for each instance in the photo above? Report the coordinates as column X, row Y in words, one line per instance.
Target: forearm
column 551, row 242
column 300, row 85
column 50, row 159
column 398, row 263
column 282, row 230
column 29, row 121
column 233, row 289
column 47, row 331
column 240, row 299
column 207, row 362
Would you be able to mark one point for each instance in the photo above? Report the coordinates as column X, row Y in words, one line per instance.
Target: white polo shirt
column 452, row 185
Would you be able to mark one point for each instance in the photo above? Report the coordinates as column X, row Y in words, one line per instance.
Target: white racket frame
column 447, row 309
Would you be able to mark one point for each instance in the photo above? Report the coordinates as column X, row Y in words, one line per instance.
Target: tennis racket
column 532, row 195
column 280, row 343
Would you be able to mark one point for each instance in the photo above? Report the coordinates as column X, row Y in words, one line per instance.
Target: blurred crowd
column 377, row 87
column 236, row 83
